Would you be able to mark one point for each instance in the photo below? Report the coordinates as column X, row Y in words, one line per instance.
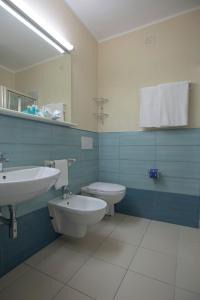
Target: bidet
column 71, row 216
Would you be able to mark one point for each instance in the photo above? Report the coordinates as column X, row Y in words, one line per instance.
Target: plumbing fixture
column 11, row 222
column 66, row 193
column 3, row 161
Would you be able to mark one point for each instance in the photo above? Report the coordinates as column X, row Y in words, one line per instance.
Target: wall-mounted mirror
column 35, row 79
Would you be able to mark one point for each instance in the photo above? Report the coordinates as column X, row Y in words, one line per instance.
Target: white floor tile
column 10, row 277
column 154, row 264
column 185, row 295
column 98, row 279
column 115, row 220
column 116, row 252
column 188, row 267
column 164, row 228
column 162, row 237
column 86, row 245
column 31, row 286
column 43, row 253
column 107, row 225
column 101, row 229
column 62, row 264
column 188, row 234
column 68, row 293
column 130, row 230
column 138, row 287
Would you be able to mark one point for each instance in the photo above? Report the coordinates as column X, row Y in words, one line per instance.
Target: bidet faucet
column 3, row 161
column 66, row 193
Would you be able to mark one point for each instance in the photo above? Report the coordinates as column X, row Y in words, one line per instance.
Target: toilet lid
column 100, row 187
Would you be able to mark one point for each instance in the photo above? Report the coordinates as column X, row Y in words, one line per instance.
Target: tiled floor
column 121, row 258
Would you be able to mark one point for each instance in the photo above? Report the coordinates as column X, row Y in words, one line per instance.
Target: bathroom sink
column 21, row 185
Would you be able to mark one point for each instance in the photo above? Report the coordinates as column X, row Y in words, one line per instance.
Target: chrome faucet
column 66, row 193
column 3, row 161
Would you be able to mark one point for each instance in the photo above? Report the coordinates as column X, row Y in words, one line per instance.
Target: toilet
column 109, row 192
column 72, row 216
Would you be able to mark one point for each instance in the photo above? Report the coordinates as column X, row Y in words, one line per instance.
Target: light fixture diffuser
column 31, row 24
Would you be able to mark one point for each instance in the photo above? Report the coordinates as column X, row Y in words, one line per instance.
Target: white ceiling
column 19, row 46
column 108, row 18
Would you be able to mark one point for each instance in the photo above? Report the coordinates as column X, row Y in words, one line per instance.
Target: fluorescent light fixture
column 30, row 23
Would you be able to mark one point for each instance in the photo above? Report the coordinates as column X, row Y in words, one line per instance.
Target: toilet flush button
column 86, row 143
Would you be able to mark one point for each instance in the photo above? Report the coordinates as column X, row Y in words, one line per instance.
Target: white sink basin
column 21, row 185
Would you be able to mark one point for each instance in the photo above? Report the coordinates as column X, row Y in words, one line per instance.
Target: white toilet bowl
column 109, row 192
column 72, row 216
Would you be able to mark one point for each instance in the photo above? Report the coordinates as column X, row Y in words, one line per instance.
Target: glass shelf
column 101, row 101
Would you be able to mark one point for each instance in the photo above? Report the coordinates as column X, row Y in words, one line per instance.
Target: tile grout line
column 158, row 251
column 177, row 260
column 92, row 256
column 89, row 257
column 153, row 278
column 79, row 291
column 131, row 261
column 4, row 288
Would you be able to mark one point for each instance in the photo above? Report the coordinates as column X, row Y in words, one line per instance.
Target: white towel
column 149, row 107
column 174, row 98
column 62, row 165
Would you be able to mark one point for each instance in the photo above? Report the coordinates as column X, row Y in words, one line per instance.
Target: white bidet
column 72, row 216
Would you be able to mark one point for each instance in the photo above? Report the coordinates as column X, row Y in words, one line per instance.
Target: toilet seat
column 102, row 188
column 110, row 192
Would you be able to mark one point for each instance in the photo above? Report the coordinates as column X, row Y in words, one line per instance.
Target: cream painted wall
column 49, row 81
column 7, row 78
column 84, row 58
column 165, row 52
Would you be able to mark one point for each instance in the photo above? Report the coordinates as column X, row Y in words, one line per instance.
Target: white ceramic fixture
column 72, row 216
column 109, row 192
column 21, row 185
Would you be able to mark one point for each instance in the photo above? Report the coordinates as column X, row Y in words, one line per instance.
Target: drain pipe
column 11, row 222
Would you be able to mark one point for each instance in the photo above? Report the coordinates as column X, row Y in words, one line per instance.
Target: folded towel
column 62, row 165
column 149, row 107
column 56, row 111
column 174, row 98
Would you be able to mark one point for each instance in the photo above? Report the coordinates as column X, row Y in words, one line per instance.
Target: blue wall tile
column 109, row 139
column 180, row 169
column 178, row 137
column 168, row 207
column 178, row 153
column 123, row 157
column 140, row 138
column 109, row 177
column 184, row 186
column 137, row 181
column 31, row 143
column 34, row 232
column 109, row 165
column 135, row 167
column 109, row 152
column 137, row 152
